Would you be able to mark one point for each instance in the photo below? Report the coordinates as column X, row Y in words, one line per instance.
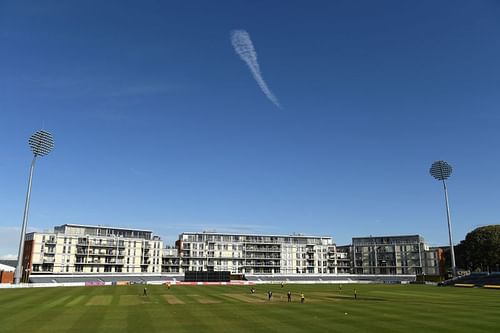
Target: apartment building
column 394, row 255
column 256, row 254
column 344, row 264
column 170, row 260
column 88, row 249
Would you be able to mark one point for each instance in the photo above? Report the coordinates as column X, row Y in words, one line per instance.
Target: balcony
column 263, row 256
column 94, row 254
column 94, row 261
column 105, row 243
column 98, row 262
column 170, row 264
column 261, row 240
column 263, row 249
column 261, row 265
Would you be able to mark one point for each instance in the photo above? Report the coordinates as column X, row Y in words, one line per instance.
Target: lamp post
column 441, row 171
column 41, row 144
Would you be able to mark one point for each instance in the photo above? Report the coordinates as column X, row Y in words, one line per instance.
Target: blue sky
column 159, row 124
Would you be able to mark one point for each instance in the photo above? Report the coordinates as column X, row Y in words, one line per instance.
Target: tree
column 480, row 250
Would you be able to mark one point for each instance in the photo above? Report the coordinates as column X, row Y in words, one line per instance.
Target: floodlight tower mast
column 441, row 171
column 41, row 144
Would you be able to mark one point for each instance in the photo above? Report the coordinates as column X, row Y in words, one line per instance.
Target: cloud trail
column 243, row 46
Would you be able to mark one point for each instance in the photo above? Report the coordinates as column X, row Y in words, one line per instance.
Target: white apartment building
column 88, row 249
column 256, row 254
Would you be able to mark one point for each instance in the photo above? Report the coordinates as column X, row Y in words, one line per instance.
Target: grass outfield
column 198, row 309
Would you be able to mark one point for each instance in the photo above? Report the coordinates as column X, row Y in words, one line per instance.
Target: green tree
column 480, row 250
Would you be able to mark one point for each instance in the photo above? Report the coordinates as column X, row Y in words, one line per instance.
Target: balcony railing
column 99, row 262
column 93, row 243
column 263, row 249
column 99, row 254
column 263, row 256
column 261, row 265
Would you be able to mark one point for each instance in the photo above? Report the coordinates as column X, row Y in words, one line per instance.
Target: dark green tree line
column 480, row 250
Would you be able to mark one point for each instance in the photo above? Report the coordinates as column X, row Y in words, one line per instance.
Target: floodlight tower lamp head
column 41, row 143
column 441, row 170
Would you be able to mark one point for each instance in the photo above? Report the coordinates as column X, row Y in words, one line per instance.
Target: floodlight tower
column 41, row 144
column 441, row 171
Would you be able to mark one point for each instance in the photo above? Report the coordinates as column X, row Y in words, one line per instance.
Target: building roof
column 101, row 227
column 251, row 234
column 7, row 268
column 386, row 236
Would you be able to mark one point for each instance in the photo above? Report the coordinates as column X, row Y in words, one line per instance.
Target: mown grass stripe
column 32, row 311
column 380, row 308
column 99, row 300
column 172, row 299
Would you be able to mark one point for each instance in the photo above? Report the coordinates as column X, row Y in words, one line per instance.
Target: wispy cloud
column 142, row 90
column 243, row 46
column 79, row 85
column 9, row 229
column 9, row 240
column 8, row 257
